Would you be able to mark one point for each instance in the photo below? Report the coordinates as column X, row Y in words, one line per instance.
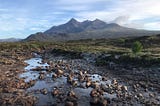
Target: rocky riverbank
column 129, row 88
column 12, row 88
column 58, row 80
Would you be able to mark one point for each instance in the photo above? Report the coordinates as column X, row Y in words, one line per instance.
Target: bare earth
column 74, row 82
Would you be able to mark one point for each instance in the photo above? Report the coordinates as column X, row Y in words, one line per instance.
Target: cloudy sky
column 20, row 18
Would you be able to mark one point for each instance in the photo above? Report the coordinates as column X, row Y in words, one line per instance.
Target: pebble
column 44, row 91
column 55, row 92
column 124, row 88
column 69, row 103
column 41, row 76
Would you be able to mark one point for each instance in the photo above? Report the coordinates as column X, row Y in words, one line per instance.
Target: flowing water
column 61, row 82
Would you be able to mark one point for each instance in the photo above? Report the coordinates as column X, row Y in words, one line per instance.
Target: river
column 45, row 84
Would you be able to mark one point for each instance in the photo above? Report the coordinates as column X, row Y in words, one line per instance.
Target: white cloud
column 139, row 9
column 128, row 13
column 75, row 8
column 152, row 26
column 104, row 15
column 121, row 20
column 44, row 14
column 35, row 28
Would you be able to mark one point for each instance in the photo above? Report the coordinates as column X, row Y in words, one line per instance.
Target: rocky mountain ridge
column 97, row 29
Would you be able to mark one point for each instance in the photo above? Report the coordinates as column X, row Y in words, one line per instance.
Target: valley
column 79, row 53
column 84, row 72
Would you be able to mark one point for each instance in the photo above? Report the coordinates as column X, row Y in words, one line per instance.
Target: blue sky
column 20, row 18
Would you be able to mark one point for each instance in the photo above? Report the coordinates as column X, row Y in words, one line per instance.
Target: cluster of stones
column 82, row 79
column 12, row 88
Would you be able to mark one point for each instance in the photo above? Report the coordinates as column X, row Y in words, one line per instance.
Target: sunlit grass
column 116, row 46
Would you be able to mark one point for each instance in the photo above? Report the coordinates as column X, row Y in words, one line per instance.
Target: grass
column 121, row 46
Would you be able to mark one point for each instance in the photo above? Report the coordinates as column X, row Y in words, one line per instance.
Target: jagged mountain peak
column 74, row 26
column 73, row 20
column 74, row 30
column 98, row 20
column 96, row 24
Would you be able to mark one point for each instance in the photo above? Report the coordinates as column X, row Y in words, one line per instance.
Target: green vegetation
column 137, row 47
column 124, row 48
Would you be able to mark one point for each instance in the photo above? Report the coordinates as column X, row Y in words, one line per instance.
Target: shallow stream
column 61, row 82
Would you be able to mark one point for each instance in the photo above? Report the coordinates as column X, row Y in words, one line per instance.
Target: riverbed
column 113, row 91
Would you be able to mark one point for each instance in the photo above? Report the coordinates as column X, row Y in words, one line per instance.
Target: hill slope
column 10, row 40
column 74, row 30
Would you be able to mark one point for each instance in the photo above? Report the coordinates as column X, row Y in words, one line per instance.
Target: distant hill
column 10, row 40
column 74, row 30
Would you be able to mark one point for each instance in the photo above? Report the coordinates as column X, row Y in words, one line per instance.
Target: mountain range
column 97, row 29
column 10, row 40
